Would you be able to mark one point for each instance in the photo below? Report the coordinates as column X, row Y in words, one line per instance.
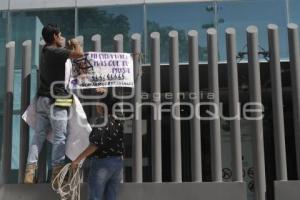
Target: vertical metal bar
column 96, row 39
column 118, row 47
column 9, row 26
column 213, row 83
column 8, row 112
column 145, row 42
column 277, row 105
column 42, row 162
column 41, row 46
column 156, row 123
column 25, row 100
column 255, row 97
column 294, row 51
column 118, row 43
column 194, row 87
column 76, row 19
column 88, row 92
column 96, row 42
column 234, row 106
column 175, row 123
column 287, row 5
column 137, row 150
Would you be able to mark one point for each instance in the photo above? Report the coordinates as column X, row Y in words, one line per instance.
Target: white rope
column 68, row 187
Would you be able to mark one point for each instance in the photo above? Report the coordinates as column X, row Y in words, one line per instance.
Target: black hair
column 49, row 31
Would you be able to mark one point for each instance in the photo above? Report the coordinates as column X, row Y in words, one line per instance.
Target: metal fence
column 213, row 82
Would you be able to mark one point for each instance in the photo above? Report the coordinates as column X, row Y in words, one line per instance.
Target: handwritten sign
column 101, row 69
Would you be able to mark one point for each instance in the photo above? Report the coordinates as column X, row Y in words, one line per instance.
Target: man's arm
column 88, row 151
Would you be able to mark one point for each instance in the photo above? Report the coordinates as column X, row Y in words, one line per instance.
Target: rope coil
column 67, row 183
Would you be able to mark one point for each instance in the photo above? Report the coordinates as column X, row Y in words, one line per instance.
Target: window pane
column 181, row 17
column 28, row 26
column 294, row 8
column 240, row 15
column 3, row 20
column 108, row 22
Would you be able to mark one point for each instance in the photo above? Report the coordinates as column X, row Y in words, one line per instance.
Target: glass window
column 3, row 20
column 240, row 15
column 294, row 15
column 163, row 18
column 28, row 26
column 108, row 22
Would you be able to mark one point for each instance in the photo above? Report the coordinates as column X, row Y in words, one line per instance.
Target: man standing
column 53, row 101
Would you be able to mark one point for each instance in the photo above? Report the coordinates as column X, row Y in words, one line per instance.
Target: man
column 52, row 102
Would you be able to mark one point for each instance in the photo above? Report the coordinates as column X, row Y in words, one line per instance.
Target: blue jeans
column 104, row 178
column 47, row 119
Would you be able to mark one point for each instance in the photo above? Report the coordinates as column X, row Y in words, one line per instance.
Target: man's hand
column 88, row 151
column 75, row 164
column 101, row 90
column 77, row 51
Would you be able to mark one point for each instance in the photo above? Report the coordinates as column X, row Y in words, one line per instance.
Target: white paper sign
column 101, row 69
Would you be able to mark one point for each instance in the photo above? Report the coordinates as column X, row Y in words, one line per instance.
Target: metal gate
column 195, row 188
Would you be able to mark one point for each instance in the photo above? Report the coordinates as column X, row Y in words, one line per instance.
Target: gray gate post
column 8, row 112
column 156, row 123
column 25, row 100
column 118, row 43
column 234, row 106
column 277, row 105
column 255, row 97
column 96, row 39
column 42, row 162
column 294, row 51
column 194, row 87
column 137, row 142
column 213, row 82
column 118, row 47
column 176, row 164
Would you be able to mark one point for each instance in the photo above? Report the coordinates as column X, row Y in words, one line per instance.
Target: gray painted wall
column 287, row 190
column 144, row 191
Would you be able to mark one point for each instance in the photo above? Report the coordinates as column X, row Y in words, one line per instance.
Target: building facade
column 22, row 20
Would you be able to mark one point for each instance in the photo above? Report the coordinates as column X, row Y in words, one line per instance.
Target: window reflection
column 240, row 15
column 108, row 22
column 294, row 7
column 3, row 19
column 28, row 26
column 181, row 17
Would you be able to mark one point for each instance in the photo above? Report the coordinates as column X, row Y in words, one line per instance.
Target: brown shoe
column 30, row 173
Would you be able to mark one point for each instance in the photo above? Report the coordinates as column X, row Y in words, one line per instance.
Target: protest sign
column 101, row 69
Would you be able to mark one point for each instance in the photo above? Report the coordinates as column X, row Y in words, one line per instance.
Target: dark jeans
column 104, row 178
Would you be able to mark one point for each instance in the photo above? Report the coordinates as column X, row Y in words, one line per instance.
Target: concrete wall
column 144, row 191
column 287, row 190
